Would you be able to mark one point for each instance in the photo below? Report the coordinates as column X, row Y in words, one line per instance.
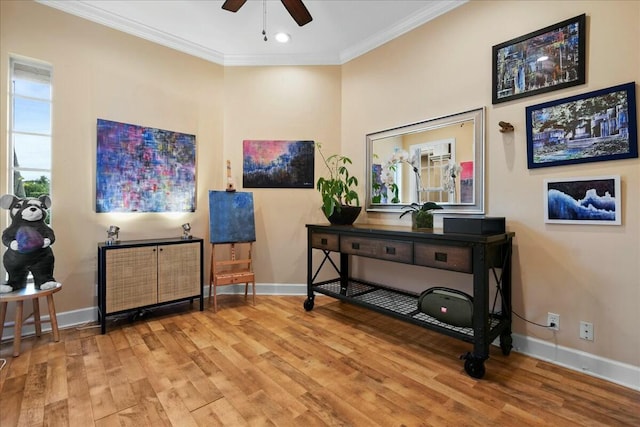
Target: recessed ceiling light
column 282, row 37
column 542, row 58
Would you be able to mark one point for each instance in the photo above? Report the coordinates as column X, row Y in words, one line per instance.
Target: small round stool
column 19, row 296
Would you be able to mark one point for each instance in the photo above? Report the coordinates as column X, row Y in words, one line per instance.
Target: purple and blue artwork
column 144, row 169
column 277, row 164
column 583, row 201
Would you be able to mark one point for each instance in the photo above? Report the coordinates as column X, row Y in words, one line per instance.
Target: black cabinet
column 138, row 274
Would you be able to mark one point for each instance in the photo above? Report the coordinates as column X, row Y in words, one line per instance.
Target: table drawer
column 328, row 241
column 390, row 250
column 454, row 258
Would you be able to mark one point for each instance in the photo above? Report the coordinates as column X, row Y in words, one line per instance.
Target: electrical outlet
column 553, row 319
column 586, row 331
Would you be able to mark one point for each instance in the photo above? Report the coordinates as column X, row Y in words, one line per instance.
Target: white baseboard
column 607, row 369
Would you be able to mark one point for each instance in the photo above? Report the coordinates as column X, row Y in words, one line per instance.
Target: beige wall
column 581, row 272
column 102, row 73
column 282, row 103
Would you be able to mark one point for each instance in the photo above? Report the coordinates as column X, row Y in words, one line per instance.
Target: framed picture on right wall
column 583, row 200
column 590, row 127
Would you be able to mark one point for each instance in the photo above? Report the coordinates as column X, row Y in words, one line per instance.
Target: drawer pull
column 441, row 256
column 355, row 246
column 324, row 241
column 390, row 250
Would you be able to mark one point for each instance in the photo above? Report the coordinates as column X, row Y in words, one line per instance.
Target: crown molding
column 92, row 13
column 87, row 10
column 430, row 12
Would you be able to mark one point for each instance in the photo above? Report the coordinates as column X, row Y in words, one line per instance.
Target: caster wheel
column 308, row 304
column 474, row 367
column 506, row 344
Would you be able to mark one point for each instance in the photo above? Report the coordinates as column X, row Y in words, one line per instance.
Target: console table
column 479, row 255
column 139, row 274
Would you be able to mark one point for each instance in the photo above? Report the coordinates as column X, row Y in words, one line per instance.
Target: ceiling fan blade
column 233, row 5
column 298, row 11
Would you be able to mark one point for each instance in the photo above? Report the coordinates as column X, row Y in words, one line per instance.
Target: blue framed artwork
column 231, row 217
column 277, row 164
column 144, row 169
column 591, row 127
column 583, row 200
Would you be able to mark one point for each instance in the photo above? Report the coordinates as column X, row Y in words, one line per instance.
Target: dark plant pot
column 421, row 219
column 345, row 216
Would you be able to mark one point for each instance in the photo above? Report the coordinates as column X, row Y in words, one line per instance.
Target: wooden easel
column 231, row 271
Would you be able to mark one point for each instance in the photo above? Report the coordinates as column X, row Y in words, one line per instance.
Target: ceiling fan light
column 282, row 37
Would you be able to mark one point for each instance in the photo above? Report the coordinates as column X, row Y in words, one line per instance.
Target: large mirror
column 439, row 160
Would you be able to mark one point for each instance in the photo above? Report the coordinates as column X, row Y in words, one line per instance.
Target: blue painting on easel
column 231, row 218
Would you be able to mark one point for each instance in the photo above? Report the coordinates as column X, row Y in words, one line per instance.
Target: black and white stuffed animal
column 28, row 240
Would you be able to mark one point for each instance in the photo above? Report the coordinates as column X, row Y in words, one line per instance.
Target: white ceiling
column 340, row 31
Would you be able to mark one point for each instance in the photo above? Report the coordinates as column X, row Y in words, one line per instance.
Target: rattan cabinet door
column 178, row 271
column 131, row 278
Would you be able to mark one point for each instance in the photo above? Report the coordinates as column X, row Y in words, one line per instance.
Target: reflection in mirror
column 439, row 160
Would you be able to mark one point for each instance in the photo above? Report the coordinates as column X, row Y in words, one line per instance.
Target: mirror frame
column 478, row 117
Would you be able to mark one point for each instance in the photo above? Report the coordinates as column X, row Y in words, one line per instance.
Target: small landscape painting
column 277, row 164
column 584, row 200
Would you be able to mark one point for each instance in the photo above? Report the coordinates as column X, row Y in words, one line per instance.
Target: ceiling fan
column 296, row 9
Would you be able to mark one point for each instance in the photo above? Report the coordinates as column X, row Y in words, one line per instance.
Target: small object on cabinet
column 112, row 235
column 186, row 228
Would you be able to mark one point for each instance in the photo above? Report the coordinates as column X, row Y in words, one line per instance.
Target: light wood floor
column 275, row 364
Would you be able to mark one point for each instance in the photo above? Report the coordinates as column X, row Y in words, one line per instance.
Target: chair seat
column 19, row 297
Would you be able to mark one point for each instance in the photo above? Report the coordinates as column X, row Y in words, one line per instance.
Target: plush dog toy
column 28, row 240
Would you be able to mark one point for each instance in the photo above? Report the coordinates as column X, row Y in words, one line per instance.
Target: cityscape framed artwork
column 594, row 126
column 277, row 164
column 542, row 61
column 144, row 169
column 583, row 200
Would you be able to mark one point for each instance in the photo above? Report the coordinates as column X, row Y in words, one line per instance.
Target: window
column 30, row 128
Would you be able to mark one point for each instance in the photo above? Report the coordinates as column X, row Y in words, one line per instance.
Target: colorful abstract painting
column 277, row 164
column 143, row 169
column 231, row 218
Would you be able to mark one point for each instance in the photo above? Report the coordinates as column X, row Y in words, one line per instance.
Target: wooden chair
column 26, row 294
column 231, row 270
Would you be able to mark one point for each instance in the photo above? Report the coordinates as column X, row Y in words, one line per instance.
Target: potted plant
column 340, row 202
column 421, row 215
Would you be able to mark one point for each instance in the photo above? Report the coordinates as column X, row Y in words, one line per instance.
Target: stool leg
column 36, row 316
column 53, row 318
column 17, row 329
column 3, row 315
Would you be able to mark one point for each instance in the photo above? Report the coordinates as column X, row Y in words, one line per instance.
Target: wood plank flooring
column 276, row 365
